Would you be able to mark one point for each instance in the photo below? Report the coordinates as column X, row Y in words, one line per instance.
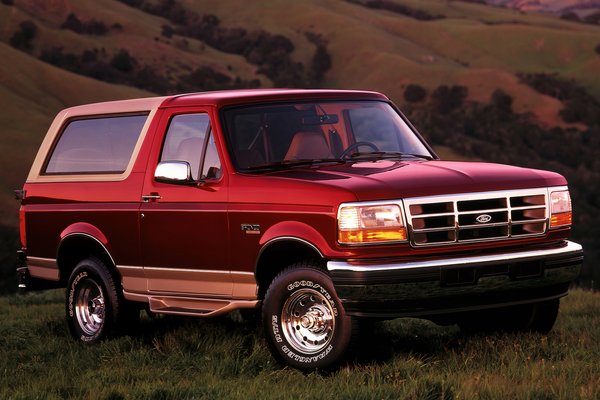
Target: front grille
column 473, row 217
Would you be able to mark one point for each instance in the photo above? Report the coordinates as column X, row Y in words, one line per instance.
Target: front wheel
column 304, row 321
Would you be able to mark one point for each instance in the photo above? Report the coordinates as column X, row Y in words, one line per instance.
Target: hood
column 385, row 179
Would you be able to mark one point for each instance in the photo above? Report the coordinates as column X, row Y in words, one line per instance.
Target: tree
column 502, row 100
column 123, row 61
column 414, row 93
column 22, row 38
column 446, row 99
column 73, row 23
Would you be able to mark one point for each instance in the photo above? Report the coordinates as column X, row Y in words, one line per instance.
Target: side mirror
column 178, row 172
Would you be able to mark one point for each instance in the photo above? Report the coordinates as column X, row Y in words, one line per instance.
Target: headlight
column 560, row 209
column 360, row 223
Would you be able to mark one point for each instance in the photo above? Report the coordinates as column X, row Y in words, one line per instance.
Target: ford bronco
column 317, row 208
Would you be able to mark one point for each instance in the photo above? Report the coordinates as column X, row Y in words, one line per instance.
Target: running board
column 197, row 307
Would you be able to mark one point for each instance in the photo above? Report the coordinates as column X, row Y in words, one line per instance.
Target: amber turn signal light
column 560, row 209
column 366, row 223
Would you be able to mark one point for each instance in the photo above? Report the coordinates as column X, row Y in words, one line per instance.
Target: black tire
column 305, row 324
column 93, row 304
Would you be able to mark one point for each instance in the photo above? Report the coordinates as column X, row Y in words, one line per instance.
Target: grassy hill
column 31, row 93
column 478, row 46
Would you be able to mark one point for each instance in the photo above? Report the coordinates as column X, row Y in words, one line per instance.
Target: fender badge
column 483, row 218
column 251, row 229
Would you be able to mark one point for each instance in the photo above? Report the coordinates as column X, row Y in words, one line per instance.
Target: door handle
column 150, row 197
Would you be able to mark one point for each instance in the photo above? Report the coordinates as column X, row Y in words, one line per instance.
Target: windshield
column 285, row 135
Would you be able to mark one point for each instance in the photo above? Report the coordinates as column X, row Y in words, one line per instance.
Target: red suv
column 321, row 208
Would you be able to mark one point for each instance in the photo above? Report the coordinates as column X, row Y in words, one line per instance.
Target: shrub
column 570, row 16
column 580, row 106
column 321, row 63
column 123, row 62
column 593, row 18
column 414, row 93
column 446, row 99
column 502, row 100
column 22, row 38
column 405, row 10
column 72, row 23
column 91, row 27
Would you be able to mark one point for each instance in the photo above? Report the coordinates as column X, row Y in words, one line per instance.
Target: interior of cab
column 259, row 136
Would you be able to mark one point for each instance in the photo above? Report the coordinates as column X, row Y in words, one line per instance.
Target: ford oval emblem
column 483, row 218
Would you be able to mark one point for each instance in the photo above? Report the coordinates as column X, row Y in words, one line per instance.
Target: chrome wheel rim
column 89, row 307
column 308, row 321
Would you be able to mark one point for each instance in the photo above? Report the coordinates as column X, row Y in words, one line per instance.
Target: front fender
column 296, row 230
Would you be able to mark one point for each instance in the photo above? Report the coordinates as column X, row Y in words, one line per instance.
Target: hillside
column 549, row 6
column 526, row 82
column 31, row 93
column 480, row 47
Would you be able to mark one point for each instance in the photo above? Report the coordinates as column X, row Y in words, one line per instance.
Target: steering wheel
column 355, row 146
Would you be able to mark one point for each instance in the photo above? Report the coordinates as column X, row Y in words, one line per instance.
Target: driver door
column 184, row 225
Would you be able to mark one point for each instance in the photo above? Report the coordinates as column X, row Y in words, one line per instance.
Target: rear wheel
column 304, row 321
column 94, row 308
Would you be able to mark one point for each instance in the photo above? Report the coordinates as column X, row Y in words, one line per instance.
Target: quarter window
column 96, row 145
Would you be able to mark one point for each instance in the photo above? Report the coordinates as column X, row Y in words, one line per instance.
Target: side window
column 96, row 145
column 189, row 139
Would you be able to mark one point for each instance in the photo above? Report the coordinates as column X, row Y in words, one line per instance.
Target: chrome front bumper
column 456, row 284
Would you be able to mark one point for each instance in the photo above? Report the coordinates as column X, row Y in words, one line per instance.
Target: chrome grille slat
column 529, row 221
column 487, row 225
column 453, row 219
column 486, row 210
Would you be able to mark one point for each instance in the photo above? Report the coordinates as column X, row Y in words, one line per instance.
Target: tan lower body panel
column 189, row 292
column 44, row 268
column 197, row 307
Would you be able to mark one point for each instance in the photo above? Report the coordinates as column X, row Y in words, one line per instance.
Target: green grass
column 173, row 358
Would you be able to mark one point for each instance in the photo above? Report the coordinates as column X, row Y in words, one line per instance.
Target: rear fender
column 78, row 241
column 83, row 228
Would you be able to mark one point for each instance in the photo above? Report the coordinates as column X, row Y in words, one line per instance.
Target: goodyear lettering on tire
column 72, row 291
column 315, row 286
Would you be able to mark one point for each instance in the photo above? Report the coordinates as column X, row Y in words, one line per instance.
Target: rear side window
column 96, row 145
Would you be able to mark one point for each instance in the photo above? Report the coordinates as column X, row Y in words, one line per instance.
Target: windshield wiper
column 283, row 164
column 380, row 155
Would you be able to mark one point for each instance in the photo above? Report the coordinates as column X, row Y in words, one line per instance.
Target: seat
column 212, row 164
column 190, row 150
column 308, row 145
